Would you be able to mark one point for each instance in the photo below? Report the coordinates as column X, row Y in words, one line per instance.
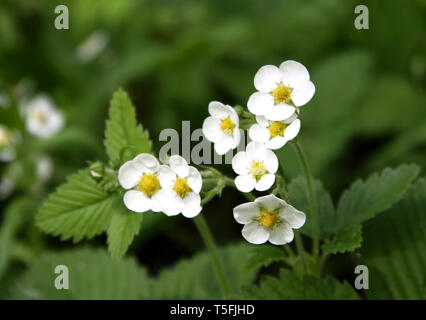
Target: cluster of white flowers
column 172, row 189
column 275, row 105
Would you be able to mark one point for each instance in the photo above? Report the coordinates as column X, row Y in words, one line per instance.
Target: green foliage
column 346, row 240
column 78, row 209
column 92, row 275
column 263, row 256
column 395, row 248
column 123, row 228
column 290, row 287
column 194, row 278
column 124, row 138
column 365, row 199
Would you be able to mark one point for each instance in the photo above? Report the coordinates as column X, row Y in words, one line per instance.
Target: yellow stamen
column 5, row 138
column 227, row 126
column 181, row 187
column 39, row 116
column 268, row 218
column 277, row 128
column 281, row 93
column 258, row 169
column 149, row 184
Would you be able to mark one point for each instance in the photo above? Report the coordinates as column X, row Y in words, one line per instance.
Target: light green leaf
column 346, row 240
column 290, row 287
column 92, row 275
column 394, row 248
column 299, row 199
column 365, row 199
column 263, row 256
column 195, row 278
column 124, row 226
column 124, row 139
column 78, row 209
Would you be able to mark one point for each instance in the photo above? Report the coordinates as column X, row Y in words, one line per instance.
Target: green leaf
column 195, row 278
column 394, row 248
column 78, row 209
column 92, row 275
column 263, row 256
column 365, row 199
column 124, row 226
column 290, row 287
column 298, row 195
column 346, row 240
column 124, row 139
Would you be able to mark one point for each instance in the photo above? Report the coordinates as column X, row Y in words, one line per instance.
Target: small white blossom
column 268, row 218
column 43, row 119
column 222, row 127
column 8, row 141
column 181, row 188
column 92, row 46
column 274, row 134
column 280, row 89
column 256, row 168
column 143, row 177
column 44, row 168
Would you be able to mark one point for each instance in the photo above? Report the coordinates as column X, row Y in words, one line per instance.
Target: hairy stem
column 207, row 236
column 311, row 197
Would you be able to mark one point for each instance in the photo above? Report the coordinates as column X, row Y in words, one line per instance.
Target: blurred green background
column 173, row 57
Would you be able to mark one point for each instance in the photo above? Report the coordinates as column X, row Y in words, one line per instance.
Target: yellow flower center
column 281, row 93
column 149, row 184
column 258, row 169
column 227, row 126
column 181, row 187
column 268, row 218
column 277, row 128
column 40, row 116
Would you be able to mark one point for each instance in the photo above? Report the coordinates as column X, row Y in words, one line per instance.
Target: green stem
column 311, row 196
column 205, row 233
column 300, row 250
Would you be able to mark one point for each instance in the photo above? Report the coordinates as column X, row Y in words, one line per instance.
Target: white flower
column 256, row 168
column 181, row 188
column 8, row 140
column 279, row 88
column 268, row 218
column 43, row 119
column 92, row 46
column 221, row 127
column 274, row 134
column 44, row 168
column 143, row 177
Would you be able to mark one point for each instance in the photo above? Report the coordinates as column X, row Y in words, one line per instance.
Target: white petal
column 292, row 216
column 303, row 93
column 128, row 175
column 211, row 129
column 271, row 161
column 259, row 133
column 192, row 205
column 136, row 201
column 232, row 114
column 166, row 176
column 265, row 182
column 237, row 137
column 276, row 143
column 281, row 234
column 291, row 118
column 267, row 77
column 280, row 112
column 260, row 103
column 218, row 110
column 241, row 163
column 245, row 183
column 246, row 212
column 179, row 165
column 292, row 130
column 194, row 180
column 294, row 73
column 254, row 149
column 255, row 233
column 146, row 163
column 156, row 200
column 262, row 121
column 223, row 146
column 170, row 204
column 270, row 202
